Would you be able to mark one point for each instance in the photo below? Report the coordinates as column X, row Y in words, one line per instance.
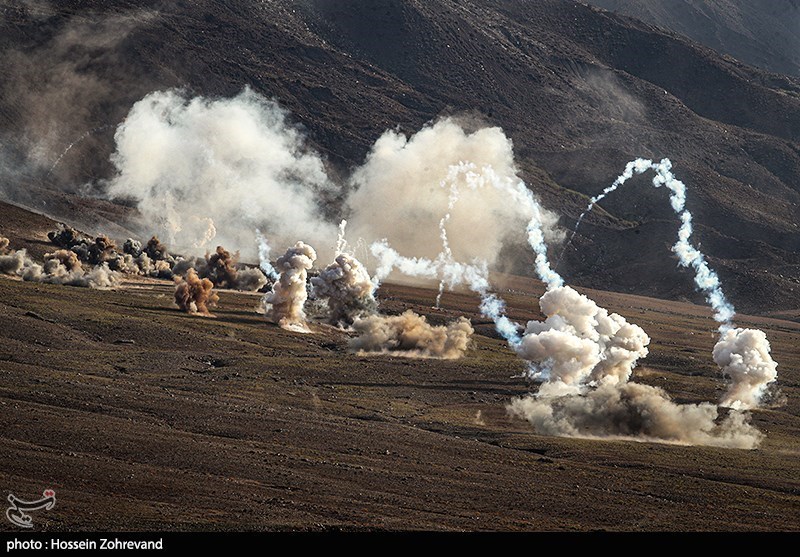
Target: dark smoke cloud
column 60, row 267
column 195, row 295
column 347, row 288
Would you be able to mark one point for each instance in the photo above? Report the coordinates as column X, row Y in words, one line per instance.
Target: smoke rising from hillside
column 348, row 289
column 580, row 342
column 403, row 190
column 56, row 87
column 195, row 295
column 235, row 163
column 59, row 267
column 585, row 358
column 289, row 294
column 742, row 354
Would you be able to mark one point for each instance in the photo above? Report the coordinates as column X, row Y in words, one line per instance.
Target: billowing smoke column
column 580, row 343
column 219, row 168
column 410, row 335
column 348, row 288
column 195, row 295
column 60, row 267
column 408, row 182
column 285, row 302
column 743, row 354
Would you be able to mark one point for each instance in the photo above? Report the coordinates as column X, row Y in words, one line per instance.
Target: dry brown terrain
column 142, row 417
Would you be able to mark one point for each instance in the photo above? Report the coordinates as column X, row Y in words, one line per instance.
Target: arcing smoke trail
column 350, row 293
column 475, row 275
column 263, row 256
column 743, row 354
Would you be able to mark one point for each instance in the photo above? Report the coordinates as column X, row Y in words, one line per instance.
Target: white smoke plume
column 11, row 263
column 580, row 343
column 743, row 354
column 637, row 412
column 285, row 303
column 585, row 358
column 234, row 163
column 406, row 186
column 410, row 335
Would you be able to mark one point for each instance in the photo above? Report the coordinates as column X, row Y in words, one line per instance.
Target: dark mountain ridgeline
column 580, row 90
column 763, row 33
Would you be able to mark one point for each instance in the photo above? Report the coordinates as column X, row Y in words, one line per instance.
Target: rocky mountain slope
column 763, row 33
column 581, row 91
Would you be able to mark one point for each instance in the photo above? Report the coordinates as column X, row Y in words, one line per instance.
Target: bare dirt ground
column 142, row 417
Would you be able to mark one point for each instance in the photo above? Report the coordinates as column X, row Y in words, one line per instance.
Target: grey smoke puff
column 67, row 237
column 66, row 258
column 250, row 280
column 348, row 289
column 221, row 269
column 635, row 412
column 54, row 272
column 183, row 265
column 132, row 247
column 13, row 263
column 289, row 294
column 410, row 335
column 60, row 267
